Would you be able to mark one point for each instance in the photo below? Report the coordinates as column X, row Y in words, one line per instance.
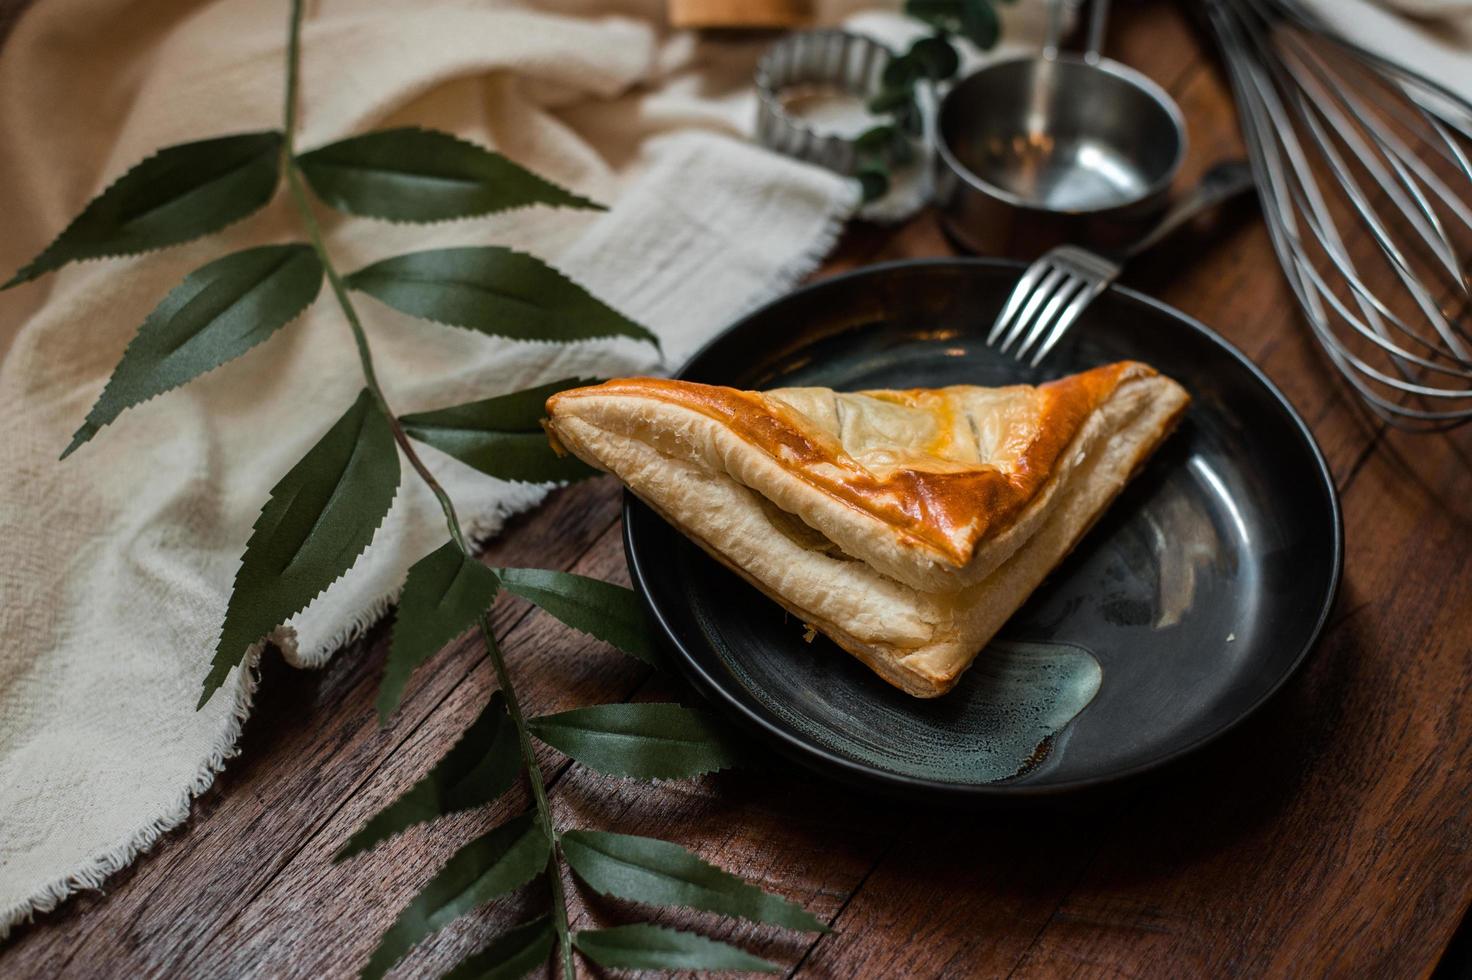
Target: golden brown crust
column 946, row 507
column 795, row 490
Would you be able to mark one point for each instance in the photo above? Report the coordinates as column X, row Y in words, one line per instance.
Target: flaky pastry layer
column 934, row 488
column 822, row 558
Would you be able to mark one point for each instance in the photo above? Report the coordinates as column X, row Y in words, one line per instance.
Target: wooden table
column 1330, row 835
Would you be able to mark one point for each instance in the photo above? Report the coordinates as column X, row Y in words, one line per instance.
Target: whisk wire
column 1317, row 96
column 1343, row 139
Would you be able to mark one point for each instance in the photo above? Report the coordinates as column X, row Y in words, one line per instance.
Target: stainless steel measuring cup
column 1035, row 151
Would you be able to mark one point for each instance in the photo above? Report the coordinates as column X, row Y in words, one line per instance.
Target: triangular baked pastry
column 905, row 525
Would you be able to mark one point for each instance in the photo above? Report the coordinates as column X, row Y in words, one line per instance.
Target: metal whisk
column 1345, row 142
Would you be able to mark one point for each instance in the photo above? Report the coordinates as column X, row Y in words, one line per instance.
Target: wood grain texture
column 1332, row 835
column 10, row 11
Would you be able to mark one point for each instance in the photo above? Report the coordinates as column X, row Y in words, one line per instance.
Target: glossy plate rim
column 827, row 762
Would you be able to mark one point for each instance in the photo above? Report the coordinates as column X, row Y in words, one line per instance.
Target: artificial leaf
column 413, row 174
column 502, row 436
column 980, row 24
column 898, row 102
column 873, row 182
column 444, row 594
column 901, row 71
column 877, row 140
column 943, row 15
column 935, row 58
column 511, row 955
column 218, row 312
column 496, row 291
column 643, row 741
column 903, row 152
column 179, row 193
column 318, row 520
column 656, row 872
column 649, row 947
column 603, row 610
column 478, row 769
column 494, row 864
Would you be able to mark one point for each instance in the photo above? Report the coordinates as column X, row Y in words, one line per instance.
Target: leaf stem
column 339, row 290
column 313, row 229
column 293, row 62
column 539, row 795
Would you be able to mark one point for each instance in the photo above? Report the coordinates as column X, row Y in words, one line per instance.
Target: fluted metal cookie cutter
column 818, row 61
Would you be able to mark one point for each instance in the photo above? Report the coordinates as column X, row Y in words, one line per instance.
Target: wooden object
column 1329, row 836
column 740, row 13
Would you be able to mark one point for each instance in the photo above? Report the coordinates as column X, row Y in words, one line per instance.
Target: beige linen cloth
column 1434, row 37
column 115, row 566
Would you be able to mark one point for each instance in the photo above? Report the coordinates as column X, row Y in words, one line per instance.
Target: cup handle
column 1223, row 181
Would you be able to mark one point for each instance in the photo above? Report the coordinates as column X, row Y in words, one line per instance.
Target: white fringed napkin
column 116, row 565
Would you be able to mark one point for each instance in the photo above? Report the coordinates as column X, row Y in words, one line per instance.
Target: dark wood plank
column 1331, row 832
column 783, row 838
column 554, row 669
column 1334, row 825
column 311, row 744
column 1153, row 37
column 1262, row 856
column 1335, row 832
column 10, row 11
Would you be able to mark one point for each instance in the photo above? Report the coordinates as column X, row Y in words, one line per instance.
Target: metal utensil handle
column 1055, row 29
column 1222, row 182
column 1098, row 17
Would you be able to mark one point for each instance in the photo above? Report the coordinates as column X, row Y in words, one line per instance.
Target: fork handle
column 1221, row 183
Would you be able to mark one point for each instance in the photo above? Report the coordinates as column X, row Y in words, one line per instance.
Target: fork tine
column 1035, row 302
column 1075, row 309
column 1019, row 295
column 1044, row 323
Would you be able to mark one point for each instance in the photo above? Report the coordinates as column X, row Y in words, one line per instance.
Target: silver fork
column 1053, row 292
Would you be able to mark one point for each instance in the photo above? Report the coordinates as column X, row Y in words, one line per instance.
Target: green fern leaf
column 608, row 612
column 478, row 769
column 445, row 593
column 494, row 864
column 318, row 520
column 218, row 312
column 641, row 741
column 495, row 291
column 501, row 436
column 649, row 947
column 511, row 955
column 180, row 193
column 656, row 872
column 421, row 175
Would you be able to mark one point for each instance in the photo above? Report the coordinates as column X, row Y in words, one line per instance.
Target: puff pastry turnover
column 907, row 526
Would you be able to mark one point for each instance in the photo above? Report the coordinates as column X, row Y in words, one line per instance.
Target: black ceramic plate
column 1190, row 602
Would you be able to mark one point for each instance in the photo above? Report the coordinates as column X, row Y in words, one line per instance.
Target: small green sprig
column 931, row 59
